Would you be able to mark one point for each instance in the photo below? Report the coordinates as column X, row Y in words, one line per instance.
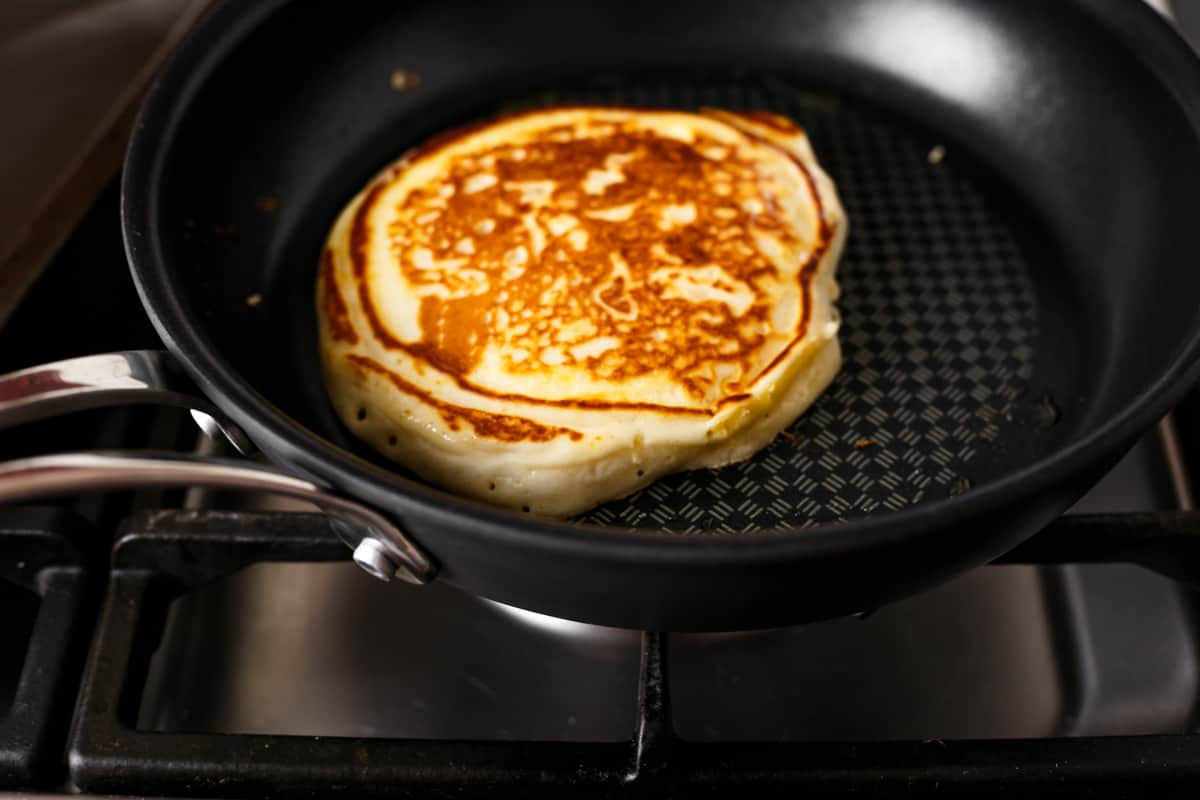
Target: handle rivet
column 373, row 557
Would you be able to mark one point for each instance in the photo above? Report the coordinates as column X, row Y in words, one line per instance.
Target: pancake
column 555, row 308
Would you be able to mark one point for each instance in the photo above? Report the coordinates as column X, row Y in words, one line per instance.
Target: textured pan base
column 939, row 325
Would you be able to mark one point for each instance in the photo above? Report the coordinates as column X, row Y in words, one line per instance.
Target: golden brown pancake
column 555, row 308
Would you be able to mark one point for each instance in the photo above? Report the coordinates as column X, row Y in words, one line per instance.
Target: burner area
column 268, row 650
column 174, row 703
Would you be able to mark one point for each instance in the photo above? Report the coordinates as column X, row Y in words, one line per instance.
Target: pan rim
column 1157, row 44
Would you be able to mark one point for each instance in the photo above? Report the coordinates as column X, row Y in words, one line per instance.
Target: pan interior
column 939, row 334
column 940, row 309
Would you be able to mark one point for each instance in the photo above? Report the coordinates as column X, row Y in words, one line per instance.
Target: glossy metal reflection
column 149, row 376
column 108, row 379
column 41, row 476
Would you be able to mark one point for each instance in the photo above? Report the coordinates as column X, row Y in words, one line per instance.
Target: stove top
column 184, row 644
column 235, row 651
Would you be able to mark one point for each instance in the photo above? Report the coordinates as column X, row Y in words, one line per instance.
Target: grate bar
column 164, row 553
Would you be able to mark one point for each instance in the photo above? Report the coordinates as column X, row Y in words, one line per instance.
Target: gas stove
column 197, row 644
column 202, row 644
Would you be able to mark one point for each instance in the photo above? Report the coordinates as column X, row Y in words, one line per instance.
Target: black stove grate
column 163, row 554
column 38, row 557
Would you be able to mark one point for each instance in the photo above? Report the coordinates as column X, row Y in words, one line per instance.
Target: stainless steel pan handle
column 380, row 546
column 109, row 379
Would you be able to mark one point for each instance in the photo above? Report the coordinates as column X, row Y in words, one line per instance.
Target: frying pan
column 1021, row 295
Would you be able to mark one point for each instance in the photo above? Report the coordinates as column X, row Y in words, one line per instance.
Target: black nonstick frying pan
column 1021, row 285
